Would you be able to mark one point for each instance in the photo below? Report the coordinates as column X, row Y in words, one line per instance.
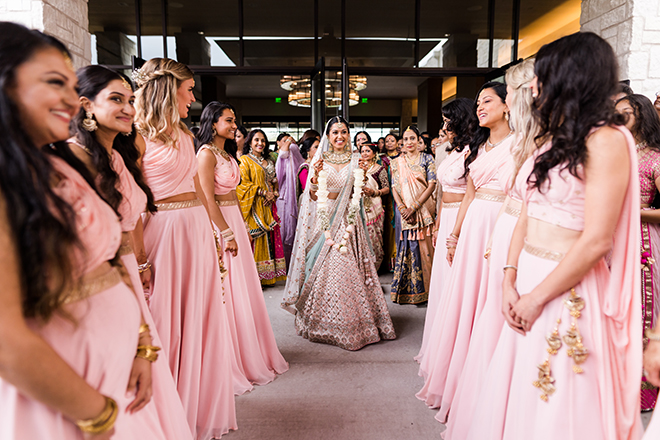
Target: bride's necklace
column 493, row 145
column 337, row 158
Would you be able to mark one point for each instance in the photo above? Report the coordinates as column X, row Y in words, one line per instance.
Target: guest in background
column 377, row 185
column 361, row 137
column 239, row 140
column 286, row 168
column 257, row 193
column 307, row 150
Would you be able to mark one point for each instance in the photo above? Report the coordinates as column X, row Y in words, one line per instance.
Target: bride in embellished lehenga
column 332, row 286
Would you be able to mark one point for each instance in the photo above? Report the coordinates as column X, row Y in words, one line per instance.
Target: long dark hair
column 481, row 134
column 306, row 146
column 577, row 75
column 462, row 122
column 647, row 121
column 91, row 81
column 42, row 224
column 210, row 115
column 248, row 143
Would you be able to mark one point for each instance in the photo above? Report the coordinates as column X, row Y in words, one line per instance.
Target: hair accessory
column 139, row 77
column 89, row 123
column 126, row 85
column 68, row 61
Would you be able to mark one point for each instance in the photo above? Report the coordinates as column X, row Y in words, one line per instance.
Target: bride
column 332, row 286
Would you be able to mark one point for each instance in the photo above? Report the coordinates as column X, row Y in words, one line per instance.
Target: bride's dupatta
column 410, row 182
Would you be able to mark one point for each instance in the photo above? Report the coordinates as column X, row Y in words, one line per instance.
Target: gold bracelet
column 103, row 422
column 144, row 328
column 148, row 352
column 652, row 336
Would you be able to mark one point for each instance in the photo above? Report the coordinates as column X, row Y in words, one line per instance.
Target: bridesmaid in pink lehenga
column 575, row 290
column 187, row 299
column 489, row 323
column 68, row 324
column 464, row 293
column 459, row 119
column 254, row 343
column 644, row 124
column 109, row 98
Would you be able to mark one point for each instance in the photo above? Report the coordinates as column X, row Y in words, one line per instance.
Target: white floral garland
column 354, row 208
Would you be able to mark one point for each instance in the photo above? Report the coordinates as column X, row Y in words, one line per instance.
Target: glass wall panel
column 542, row 22
column 112, row 26
column 454, row 34
column 279, row 33
column 380, row 33
column 503, row 42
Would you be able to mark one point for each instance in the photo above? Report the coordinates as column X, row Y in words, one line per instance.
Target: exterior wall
column 65, row 19
column 632, row 27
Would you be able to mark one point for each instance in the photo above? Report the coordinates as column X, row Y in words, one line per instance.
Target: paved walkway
column 330, row 393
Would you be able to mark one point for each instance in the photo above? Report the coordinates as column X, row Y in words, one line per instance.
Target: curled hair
column 519, row 78
column 462, row 122
column 248, row 143
column 577, row 76
column 42, row 225
column 336, row 120
column 481, row 134
column 647, row 121
column 210, row 115
column 156, row 102
column 364, row 133
column 306, row 145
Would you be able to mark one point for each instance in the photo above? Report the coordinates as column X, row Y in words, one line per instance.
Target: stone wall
column 632, row 27
column 65, row 19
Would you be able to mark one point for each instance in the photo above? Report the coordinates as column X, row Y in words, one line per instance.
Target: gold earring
column 214, row 133
column 89, row 123
column 506, row 116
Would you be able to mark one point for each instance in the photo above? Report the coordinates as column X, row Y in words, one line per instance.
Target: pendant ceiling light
column 300, row 89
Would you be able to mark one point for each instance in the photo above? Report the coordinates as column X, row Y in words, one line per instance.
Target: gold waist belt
column 512, row 211
column 540, row 252
column 91, row 286
column 490, row 197
column 451, row 205
column 226, row 202
column 178, row 205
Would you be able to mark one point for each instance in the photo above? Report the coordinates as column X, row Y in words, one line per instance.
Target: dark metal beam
column 491, row 31
column 163, row 5
column 515, row 29
column 138, row 27
column 241, row 45
column 343, row 29
column 316, row 31
column 344, row 89
column 418, row 18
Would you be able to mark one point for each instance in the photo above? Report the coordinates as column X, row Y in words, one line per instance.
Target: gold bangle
column 103, row 422
column 655, row 337
column 144, row 328
column 148, row 352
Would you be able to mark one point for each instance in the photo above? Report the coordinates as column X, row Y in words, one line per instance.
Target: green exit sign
column 365, row 100
column 278, row 100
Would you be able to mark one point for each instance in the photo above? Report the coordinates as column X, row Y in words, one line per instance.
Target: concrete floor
column 330, row 393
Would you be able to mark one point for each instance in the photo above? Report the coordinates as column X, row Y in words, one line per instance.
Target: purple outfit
column 286, row 169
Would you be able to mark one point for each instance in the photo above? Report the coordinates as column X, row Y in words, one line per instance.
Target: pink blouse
column 134, row 199
column 227, row 173
column 450, row 173
column 170, row 170
column 97, row 225
column 649, row 171
column 560, row 200
column 484, row 171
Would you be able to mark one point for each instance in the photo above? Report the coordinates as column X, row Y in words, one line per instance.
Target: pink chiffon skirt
column 461, row 303
column 485, row 335
column 509, row 405
column 100, row 346
column 254, row 342
column 165, row 398
column 188, row 310
column 439, row 275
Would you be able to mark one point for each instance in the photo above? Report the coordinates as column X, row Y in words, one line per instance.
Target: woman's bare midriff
column 548, row 236
column 452, row 197
column 179, row 198
column 229, row 197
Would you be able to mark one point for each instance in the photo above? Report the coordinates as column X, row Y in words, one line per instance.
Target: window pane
column 544, row 22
